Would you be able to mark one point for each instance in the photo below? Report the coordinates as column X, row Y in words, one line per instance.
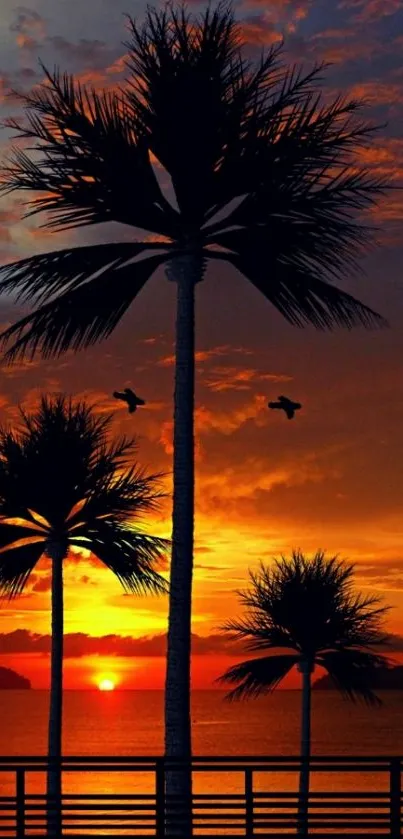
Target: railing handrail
column 213, row 759
column 249, row 811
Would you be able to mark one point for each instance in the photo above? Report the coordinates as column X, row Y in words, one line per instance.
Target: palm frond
column 311, row 604
column 41, row 277
column 298, row 225
column 308, row 606
column 258, row 632
column 131, row 555
column 27, row 524
column 90, row 163
column 60, row 461
column 354, row 673
column 17, row 565
column 257, row 676
column 185, row 75
column 60, row 438
column 300, row 296
column 131, row 493
column 80, row 316
column 296, row 154
column 266, row 177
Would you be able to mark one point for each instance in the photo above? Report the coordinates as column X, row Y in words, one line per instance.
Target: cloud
column 206, row 355
column 5, row 87
column 250, row 487
column 227, row 421
column 102, row 403
column 166, row 436
column 383, row 575
column 233, row 378
column 86, row 580
column 26, row 74
column 259, row 29
column 370, row 11
column 338, row 46
column 29, row 28
column 149, row 341
column 10, row 212
column 378, row 92
column 20, row 367
column 222, row 422
column 395, row 644
column 87, row 52
column 283, row 12
column 79, row 644
column 40, row 583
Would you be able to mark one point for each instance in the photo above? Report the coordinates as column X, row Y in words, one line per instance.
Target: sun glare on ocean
column 106, row 684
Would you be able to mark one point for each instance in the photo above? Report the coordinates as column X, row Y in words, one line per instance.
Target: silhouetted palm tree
column 308, row 609
column 63, row 486
column 265, row 178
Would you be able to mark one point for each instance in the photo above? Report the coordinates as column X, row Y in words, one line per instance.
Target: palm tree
column 264, row 177
column 62, row 486
column 307, row 609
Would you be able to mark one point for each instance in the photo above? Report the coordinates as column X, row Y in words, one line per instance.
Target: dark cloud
column 26, row 74
column 42, row 584
column 85, row 52
column 371, row 11
column 29, row 28
column 78, row 644
column 395, row 644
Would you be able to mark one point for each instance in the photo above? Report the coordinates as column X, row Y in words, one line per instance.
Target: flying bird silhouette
column 286, row 405
column 130, row 397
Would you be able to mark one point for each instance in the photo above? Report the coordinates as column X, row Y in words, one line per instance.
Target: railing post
column 249, row 820
column 20, row 803
column 160, row 798
column 395, row 798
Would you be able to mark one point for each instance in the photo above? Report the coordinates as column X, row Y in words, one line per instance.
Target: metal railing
column 232, row 797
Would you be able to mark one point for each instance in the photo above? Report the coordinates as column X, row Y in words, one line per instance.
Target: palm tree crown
column 62, row 484
column 308, row 609
column 266, row 178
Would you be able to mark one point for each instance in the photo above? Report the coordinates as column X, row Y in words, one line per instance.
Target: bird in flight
column 130, row 397
column 286, row 405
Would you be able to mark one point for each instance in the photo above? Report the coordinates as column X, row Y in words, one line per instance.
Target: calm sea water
column 131, row 723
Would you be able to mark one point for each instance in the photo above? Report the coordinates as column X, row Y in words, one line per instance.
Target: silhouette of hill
column 389, row 678
column 10, row 680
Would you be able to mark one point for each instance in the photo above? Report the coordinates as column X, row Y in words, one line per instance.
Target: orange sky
column 332, row 478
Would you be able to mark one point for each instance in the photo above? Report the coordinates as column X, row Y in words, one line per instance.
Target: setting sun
column 106, row 684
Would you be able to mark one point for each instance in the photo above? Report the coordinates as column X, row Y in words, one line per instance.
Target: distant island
column 10, row 680
column 389, row 678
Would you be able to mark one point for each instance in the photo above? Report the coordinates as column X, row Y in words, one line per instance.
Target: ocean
column 131, row 723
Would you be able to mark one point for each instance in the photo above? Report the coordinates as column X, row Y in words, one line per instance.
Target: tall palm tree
column 264, row 177
column 308, row 610
column 63, row 486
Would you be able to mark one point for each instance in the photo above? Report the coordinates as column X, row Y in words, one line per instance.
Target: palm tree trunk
column 185, row 271
column 303, row 798
column 54, row 775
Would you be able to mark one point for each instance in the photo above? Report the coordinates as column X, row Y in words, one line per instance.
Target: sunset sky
column 332, row 478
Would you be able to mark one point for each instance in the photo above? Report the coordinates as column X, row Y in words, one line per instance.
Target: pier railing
column 232, row 797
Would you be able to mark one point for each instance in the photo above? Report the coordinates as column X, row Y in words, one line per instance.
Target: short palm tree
column 304, row 613
column 264, row 177
column 62, row 486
